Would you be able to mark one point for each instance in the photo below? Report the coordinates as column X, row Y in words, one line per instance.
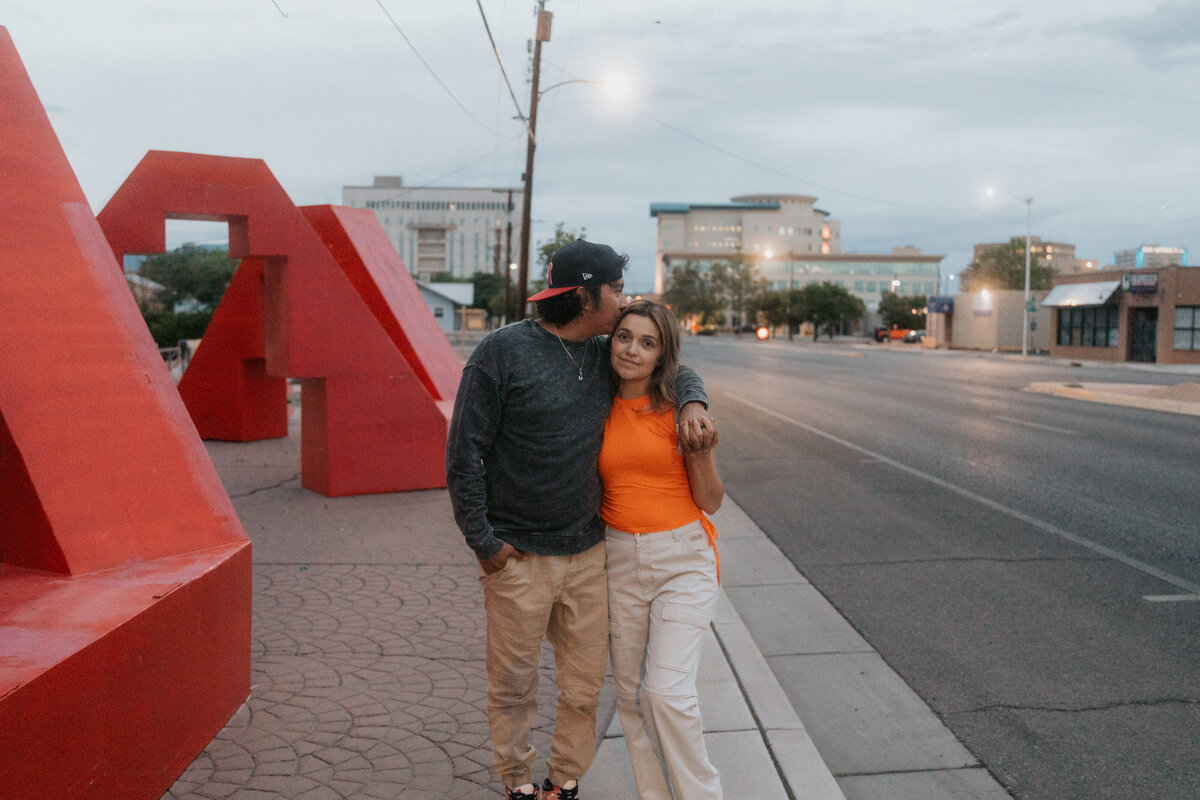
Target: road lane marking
column 1037, row 425
column 1172, row 598
column 1141, row 566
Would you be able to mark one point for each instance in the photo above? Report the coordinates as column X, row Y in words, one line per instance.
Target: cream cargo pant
column 564, row 599
column 661, row 591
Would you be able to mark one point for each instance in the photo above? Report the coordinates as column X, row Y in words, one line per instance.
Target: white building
column 793, row 243
column 459, row 230
column 1150, row 255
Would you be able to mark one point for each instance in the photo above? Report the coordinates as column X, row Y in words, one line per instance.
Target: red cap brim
column 544, row 293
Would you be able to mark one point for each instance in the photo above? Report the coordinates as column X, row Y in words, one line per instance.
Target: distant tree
column 903, row 311
column 739, row 284
column 785, row 307
column 1003, row 267
column 191, row 273
column 690, row 290
column 827, row 305
column 446, row 277
column 562, row 237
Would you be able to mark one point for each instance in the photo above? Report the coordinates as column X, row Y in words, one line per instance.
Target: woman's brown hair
column 662, row 379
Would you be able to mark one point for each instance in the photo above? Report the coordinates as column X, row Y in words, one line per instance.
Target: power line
column 496, row 50
column 466, row 110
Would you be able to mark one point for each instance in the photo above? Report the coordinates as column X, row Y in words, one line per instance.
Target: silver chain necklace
column 578, row 367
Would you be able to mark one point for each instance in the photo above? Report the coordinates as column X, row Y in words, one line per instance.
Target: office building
column 440, row 229
column 792, row 242
column 1150, row 255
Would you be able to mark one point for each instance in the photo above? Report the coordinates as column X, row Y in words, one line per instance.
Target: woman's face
column 636, row 348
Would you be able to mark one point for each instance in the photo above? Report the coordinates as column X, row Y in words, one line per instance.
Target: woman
column 662, row 561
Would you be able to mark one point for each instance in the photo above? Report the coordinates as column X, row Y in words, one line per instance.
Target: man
column 521, row 469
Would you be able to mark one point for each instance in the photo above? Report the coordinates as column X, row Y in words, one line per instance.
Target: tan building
column 459, row 230
column 987, row 320
column 1059, row 255
column 1145, row 315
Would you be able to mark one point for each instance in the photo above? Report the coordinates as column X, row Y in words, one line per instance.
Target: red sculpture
column 321, row 296
column 124, row 573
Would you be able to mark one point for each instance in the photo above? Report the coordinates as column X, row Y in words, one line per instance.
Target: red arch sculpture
column 124, row 573
column 322, row 296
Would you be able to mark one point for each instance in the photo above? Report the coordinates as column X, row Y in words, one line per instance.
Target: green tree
column 903, row 311
column 490, row 294
column 827, row 305
column 738, row 283
column 690, row 290
column 191, row 273
column 1003, row 267
column 785, row 307
column 562, row 237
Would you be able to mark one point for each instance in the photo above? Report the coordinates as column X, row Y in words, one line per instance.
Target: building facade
column 792, row 242
column 1151, row 314
column 457, row 230
column 1150, row 255
column 1058, row 255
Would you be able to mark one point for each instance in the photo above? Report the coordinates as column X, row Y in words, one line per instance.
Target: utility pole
column 496, row 254
column 543, row 35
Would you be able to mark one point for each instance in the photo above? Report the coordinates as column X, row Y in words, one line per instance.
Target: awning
column 1081, row 294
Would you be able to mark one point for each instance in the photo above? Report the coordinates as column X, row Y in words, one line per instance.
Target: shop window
column 1187, row 328
column 1089, row 326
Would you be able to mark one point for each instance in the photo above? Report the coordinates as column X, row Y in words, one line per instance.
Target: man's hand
column 697, row 430
column 497, row 562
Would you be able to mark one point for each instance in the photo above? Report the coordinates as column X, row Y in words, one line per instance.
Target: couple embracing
column 580, row 464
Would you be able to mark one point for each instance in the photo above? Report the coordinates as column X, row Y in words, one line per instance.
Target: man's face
column 612, row 302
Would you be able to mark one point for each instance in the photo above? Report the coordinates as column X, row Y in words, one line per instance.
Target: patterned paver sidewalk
column 368, row 676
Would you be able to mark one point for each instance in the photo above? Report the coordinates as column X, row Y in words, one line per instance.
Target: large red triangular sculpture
column 124, row 573
column 328, row 302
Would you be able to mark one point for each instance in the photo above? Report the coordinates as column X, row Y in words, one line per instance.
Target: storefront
column 1146, row 315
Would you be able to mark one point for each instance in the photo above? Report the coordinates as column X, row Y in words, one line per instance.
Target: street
column 1028, row 564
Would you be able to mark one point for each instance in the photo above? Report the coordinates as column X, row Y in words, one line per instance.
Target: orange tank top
column 644, row 476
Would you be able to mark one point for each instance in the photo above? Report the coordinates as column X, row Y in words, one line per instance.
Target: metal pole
column 1025, row 314
column 543, row 34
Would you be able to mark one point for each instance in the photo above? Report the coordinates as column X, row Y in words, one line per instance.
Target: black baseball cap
column 581, row 263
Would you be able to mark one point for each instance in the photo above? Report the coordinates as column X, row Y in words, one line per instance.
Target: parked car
column 914, row 336
column 883, row 334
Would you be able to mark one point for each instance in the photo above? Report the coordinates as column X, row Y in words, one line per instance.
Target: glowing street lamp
column 1028, row 233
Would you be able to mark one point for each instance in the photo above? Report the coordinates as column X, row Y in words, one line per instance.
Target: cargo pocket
column 676, row 640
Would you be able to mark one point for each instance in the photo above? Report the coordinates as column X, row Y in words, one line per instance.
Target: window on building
column 858, row 286
column 1187, row 328
column 1089, row 326
column 438, row 311
column 870, row 286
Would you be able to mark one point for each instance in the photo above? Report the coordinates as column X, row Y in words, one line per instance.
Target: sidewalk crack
column 265, row 488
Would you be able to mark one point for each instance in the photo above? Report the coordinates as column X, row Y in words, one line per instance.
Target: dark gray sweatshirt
column 524, row 440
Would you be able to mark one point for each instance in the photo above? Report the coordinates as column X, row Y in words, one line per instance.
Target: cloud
column 1167, row 38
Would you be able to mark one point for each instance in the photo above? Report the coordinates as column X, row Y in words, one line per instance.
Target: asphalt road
column 1020, row 559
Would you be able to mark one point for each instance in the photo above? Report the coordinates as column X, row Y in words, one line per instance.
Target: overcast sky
column 897, row 116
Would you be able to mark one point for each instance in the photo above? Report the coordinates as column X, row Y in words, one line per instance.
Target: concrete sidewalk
column 369, row 681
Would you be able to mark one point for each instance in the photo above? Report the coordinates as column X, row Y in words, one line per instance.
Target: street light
column 1028, row 234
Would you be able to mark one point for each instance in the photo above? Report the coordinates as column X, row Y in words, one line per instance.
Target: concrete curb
column 1104, row 393
column 803, row 770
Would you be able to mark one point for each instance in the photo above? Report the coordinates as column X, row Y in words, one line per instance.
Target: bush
column 167, row 328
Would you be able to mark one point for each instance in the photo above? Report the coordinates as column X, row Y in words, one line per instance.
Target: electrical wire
column 466, row 110
column 496, row 50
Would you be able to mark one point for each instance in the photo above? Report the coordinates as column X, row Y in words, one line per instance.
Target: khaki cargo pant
column 564, row 599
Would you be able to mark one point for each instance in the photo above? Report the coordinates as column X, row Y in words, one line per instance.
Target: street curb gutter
column 1081, row 392
column 803, row 771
